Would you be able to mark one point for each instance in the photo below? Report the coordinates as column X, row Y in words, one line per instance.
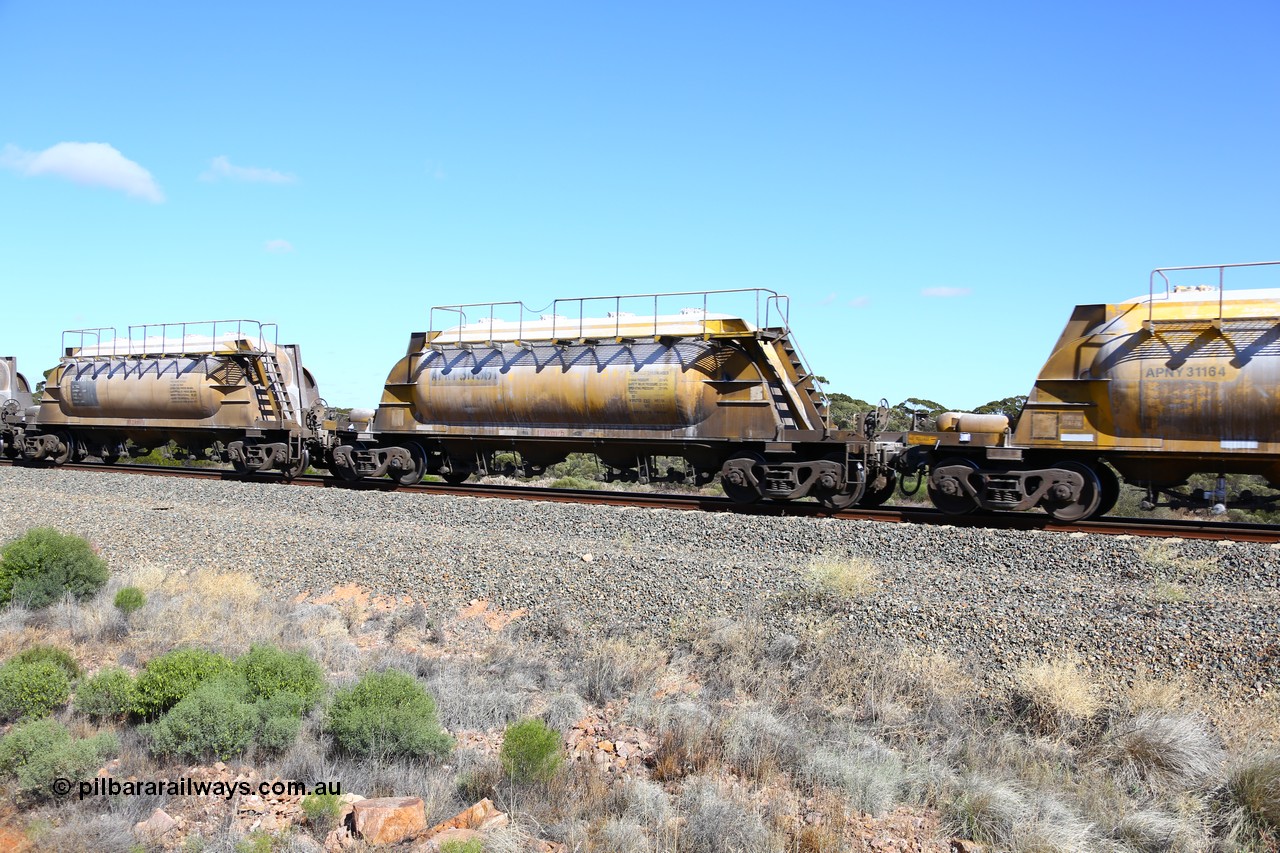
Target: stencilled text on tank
column 466, row 376
column 1215, row 372
column 651, row 390
column 84, row 394
column 182, row 393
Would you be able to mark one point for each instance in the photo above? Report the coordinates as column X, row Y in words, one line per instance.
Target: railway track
column 1182, row 528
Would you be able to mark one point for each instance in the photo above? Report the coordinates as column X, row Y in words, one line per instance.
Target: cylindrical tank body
column 970, row 422
column 642, row 385
column 169, row 388
column 1195, row 384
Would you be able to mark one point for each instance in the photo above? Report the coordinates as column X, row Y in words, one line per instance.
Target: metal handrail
column 253, row 332
column 1168, row 286
column 767, row 304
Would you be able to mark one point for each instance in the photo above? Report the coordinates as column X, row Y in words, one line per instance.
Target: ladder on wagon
column 799, row 400
column 273, row 398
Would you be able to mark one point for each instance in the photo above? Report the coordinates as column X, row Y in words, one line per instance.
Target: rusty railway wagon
column 506, row 386
column 15, row 399
column 223, row 390
column 1160, row 387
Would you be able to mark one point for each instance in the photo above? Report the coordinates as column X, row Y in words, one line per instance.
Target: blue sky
column 934, row 184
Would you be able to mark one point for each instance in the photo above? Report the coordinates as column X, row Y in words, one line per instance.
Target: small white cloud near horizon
column 945, row 292
column 278, row 247
column 221, row 167
column 828, row 299
column 89, row 164
column 859, row 302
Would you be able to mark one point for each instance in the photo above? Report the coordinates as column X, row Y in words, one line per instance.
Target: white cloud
column 945, row 292
column 222, row 167
column 859, row 302
column 828, row 299
column 278, row 247
column 91, row 164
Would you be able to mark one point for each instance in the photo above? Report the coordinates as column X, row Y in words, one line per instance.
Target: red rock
column 154, row 827
column 389, row 820
column 472, row 818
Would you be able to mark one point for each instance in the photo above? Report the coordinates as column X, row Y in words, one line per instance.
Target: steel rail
column 1166, row 528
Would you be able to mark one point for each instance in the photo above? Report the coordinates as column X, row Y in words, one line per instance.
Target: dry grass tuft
column 1166, row 561
column 1175, row 751
column 1248, row 803
column 1054, row 696
column 1165, row 694
column 760, row 744
column 1153, row 831
column 223, row 610
column 852, row 577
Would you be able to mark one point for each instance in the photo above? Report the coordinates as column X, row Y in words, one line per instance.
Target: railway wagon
column 627, row 378
column 1182, row 381
column 15, row 399
column 220, row 389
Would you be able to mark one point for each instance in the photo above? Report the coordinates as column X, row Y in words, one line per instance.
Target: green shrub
column 32, row 689
column 107, row 694
column 279, row 720
column 52, row 654
column 384, row 714
column 42, row 565
column 40, row 751
column 269, row 671
column 212, row 720
column 129, row 599
column 322, row 811
column 170, row 678
column 459, row 845
column 530, row 751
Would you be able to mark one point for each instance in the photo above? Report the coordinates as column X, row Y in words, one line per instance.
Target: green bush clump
column 462, row 845
column 385, row 714
column 260, row 699
column 530, row 751
column 322, row 811
column 269, row 671
column 42, row 565
column 32, row 689
column 54, row 655
column 212, row 720
column 109, row 694
column 128, row 599
column 168, row 679
column 279, row 720
column 40, row 751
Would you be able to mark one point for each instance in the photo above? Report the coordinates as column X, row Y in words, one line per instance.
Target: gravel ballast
column 994, row 598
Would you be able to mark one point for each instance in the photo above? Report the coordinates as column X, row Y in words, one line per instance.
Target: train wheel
column 111, row 454
column 948, row 493
column 1110, row 489
column 294, row 467
column 849, row 495
column 67, row 452
column 737, row 486
column 456, row 478
column 873, row 496
column 1080, row 506
column 413, row 474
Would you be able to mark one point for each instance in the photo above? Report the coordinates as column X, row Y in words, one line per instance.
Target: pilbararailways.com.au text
column 187, row 787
